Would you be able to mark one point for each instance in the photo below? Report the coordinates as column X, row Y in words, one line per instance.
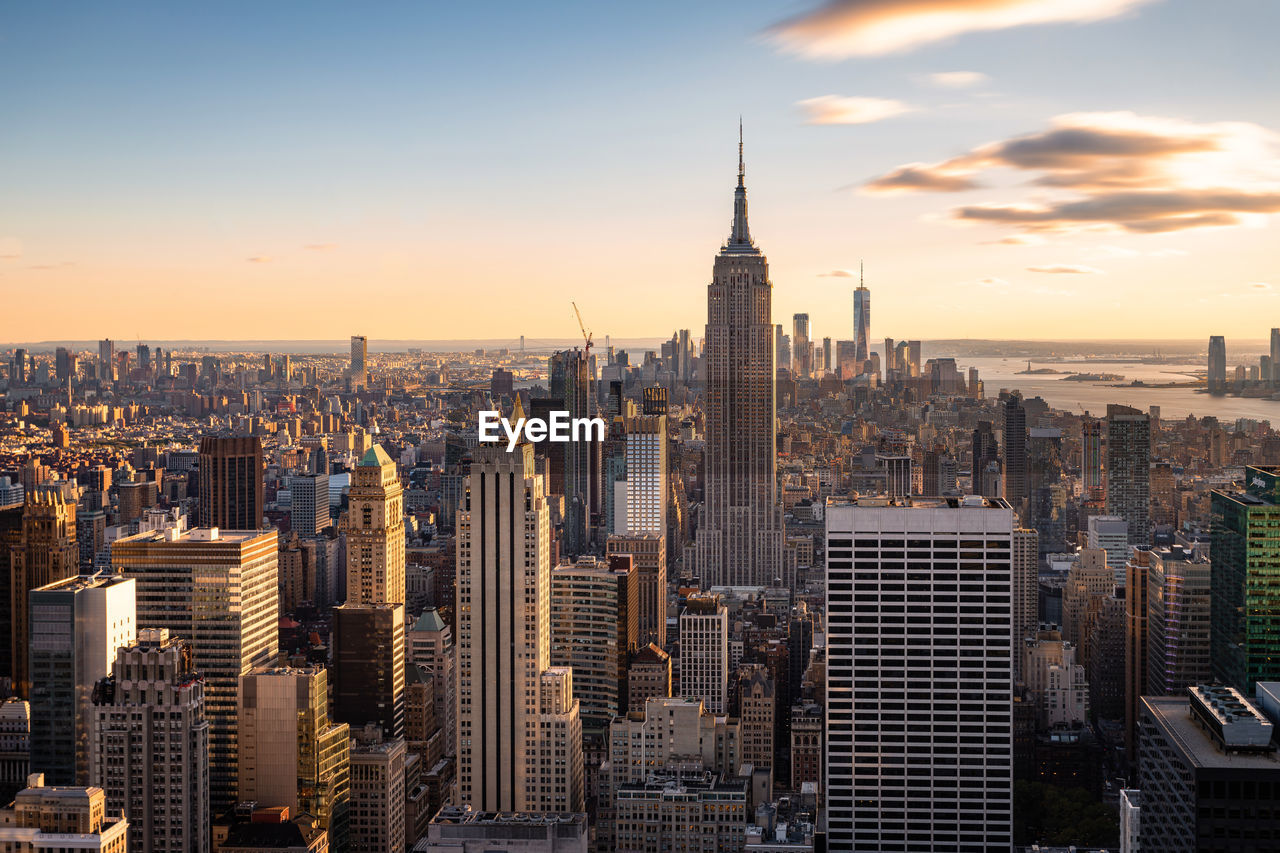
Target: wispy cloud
column 259, row 259
column 1125, row 172
column 320, row 247
column 1261, row 285
column 838, row 274
column 1066, row 269
column 838, row 29
column 958, row 79
column 10, row 248
column 838, row 109
column 1017, row 240
column 57, row 266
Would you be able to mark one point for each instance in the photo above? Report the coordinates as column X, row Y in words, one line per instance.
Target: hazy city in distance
column 444, row 428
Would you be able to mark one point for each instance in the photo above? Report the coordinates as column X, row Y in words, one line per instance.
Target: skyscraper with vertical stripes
column 741, row 533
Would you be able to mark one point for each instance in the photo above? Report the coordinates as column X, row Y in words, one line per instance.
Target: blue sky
column 299, row 159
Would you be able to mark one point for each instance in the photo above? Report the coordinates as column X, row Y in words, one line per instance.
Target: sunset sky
column 1006, row 168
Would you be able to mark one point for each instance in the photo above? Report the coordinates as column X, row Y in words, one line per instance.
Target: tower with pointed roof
column 861, row 321
column 740, row 538
column 375, row 532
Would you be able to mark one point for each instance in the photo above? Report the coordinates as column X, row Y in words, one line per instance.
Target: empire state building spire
column 740, row 238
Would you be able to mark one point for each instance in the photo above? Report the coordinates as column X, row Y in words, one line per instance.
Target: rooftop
column 1173, row 715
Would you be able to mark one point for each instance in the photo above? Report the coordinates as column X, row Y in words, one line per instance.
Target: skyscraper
column 150, row 745
column 219, row 589
column 920, row 735
column 1178, row 622
column 369, row 666
column 648, row 552
column 802, row 355
column 1091, row 455
column 45, row 553
column 571, row 380
column 704, row 652
column 375, row 532
column 76, row 626
column 377, row 793
column 1275, row 358
column 504, row 643
column 230, row 479
column 1015, row 451
column 1244, row 635
column 1217, row 376
column 861, row 323
column 1129, row 470
column 594, row 630
column 741, row 533
column 309, row 503
column 359, row 361
column 644, row 504
column 291, row 755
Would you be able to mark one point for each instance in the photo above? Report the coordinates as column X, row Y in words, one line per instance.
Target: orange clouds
column 1131, row 173
column 836, row 109
column 842, row 28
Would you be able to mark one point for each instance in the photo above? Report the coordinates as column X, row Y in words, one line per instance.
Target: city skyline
column 1090, row 197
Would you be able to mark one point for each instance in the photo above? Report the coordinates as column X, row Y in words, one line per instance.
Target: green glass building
column 1245, row 581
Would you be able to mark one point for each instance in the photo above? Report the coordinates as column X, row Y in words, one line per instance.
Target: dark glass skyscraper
column 231, row 482
column 1015, row 451
column 1217, row 381
column 1129, row 470
column 741, row 533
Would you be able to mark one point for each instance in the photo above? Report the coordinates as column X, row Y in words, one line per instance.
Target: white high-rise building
column 1111, row 534
column 919, row 674
column 704, row 652
column 76, row 626
column 309, row 503
column 646, row 484
column 150, row 745
column 507, row 761
column 219, row 589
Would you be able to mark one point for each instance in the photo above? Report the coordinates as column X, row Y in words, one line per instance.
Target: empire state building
column 740, row 538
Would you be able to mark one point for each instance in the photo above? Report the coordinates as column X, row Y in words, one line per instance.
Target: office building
column 685, row 811
column 1091, row 455
column 359, row 370
column 15, row 746
column 757, row 708
column 45, row 552
column 291, row 755
column 1059, row 690
column 462, row 829
column 1275, row 358
column 1217, row 374
column 368, row 667
column 704, row 652
column 1026, row 585
column 504, row 641
column 940, row 659
column 648, row 552
column 430, row 647
column 740, row 538
column 572, row 379
column 1178, row 622
column 648, row 677
column 61, row 819
column 1129, row 470
column 377, row 793
column 309, row 503
column 1244, row 634
column 861, row 324
column 1015, row 450
column 643, row 506
column 1089, row 581
column 1137, row 609
column 1110, row 533
column 594, row 630
column 219, row 590
column 150, row 745
column 76, row 626
column 1208, row 773
column 230, row 482
column 375, row 532
column 801, row 347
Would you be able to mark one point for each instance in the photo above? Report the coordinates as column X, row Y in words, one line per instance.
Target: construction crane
column 586, row 336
